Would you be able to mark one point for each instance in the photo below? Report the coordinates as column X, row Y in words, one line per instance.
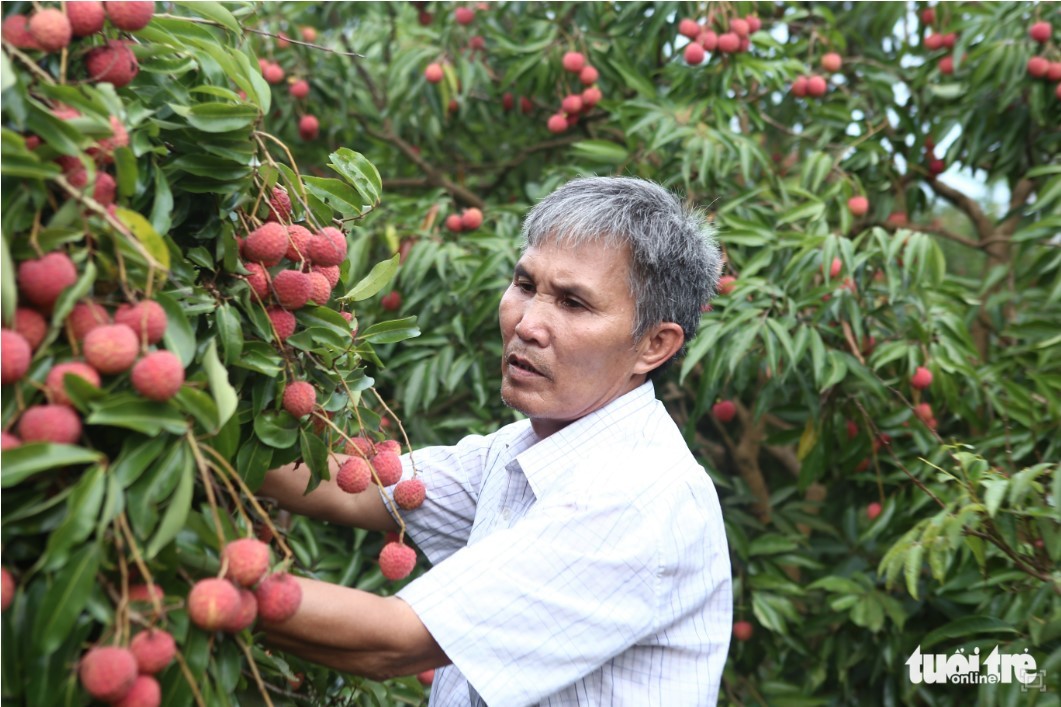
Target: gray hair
column 674, row 260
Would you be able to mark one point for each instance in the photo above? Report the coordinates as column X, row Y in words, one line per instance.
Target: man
column 579, row 555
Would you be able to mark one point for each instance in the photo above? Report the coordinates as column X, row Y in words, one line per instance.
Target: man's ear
column 659, row 345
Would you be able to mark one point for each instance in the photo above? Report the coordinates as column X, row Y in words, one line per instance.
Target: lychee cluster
column 124, row 677
column 577, row 102
column 468, row 220
column 1041, row 67
column 733, row 38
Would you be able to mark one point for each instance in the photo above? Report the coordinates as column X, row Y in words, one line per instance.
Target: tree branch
column 984, row 228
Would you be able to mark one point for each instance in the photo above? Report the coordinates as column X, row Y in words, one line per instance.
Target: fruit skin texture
column 245, row 617
column 279, row 597
column 7, row 589
column 111, row 348
column 694, row 53
column 51, row 28
column 16, row 31
column 258, row 279
column 146, row 318
column 280, row 204
column 1040, row 32
column 724, row 411
column 396, row 561
column 85, row 17
column 49, row 423
column 44, row 279
column 9, row 441
column 153, row 650
column 873, row 510
column 391, row 302
column 742, row 630
column 300, row 398
column 86, row 316
column 328, row 247
column 108, row 672
column 574, row 62
column 130, row 16
column 471, row 219
column 213, row 603
column 299, row 89
column 283, row 321
column 145, row 692
column 329, row 271
column 55, row 382
column 298, row 238
column 158, row 375
column 433, row 73
column 832, row 62
column 409, row 494
column 248, row 561
column 319, row 287
column 113, row 63
column 388, row 466
column 15, row 356
column 922, row 378
column 816, row 86
column 354, row 475
column 858, row 205
column 292, row 289
column 266, row 244
column 308, row 127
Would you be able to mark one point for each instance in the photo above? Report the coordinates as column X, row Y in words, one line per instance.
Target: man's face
column 566, row 324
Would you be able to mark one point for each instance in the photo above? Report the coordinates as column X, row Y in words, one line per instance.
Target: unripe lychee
column 86, row 17
column 694, row 54
column 86, row 316
column 248, row 560
column 299, row 89
column 279, row 205
column 279, row 597
column 111, row 348
column 354, row 475
column 308, row 127
column 16, row 31
column 320, row 289
column 298, row 238
column 396, row 561
column 724, row 411
column 328, row 247
column 42, row 280
column 145, row 692
column 258, row 279
column 858, row 205
column 292, row 289
column 51, row 28
column 300, row 398
column 55, row 383
column 832, row 62
column 153, row 650
column 146, row 318
column 212, row 603
column 573, row 62
column 108, row 672
column 1040, row 32
column 7, row 589
column 158, row 376
column 283, row 321
column 726, row 283
column 388, row 466
column 433, row 73
column 131, row 15
column 266, row 244
column 248, row 612
column 329, row 271
column 922, row 378
column 15, row 356
column 113, row 63
column 391, row 302
column 9, row 441
column 409, row 494
column 471, row 219
column 589, row 75
column 464, row 15
column 58, row 424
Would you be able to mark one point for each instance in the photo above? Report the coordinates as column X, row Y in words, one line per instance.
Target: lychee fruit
column 391, row 302
column 299, row 89
column 573, row 62
column 923, row 412
column 1040, row 32
column 464, row 15
column 86, row 316
column 689, row 27
column 111, row 348
column 58, row 424
column 396, row 561
column 145, row 692
column 426, row 677
column 455, row 223
column 15, row 356
column 146, row 592
column 55, row 383
column 213, row 603
column 273, row 73
column 292, row 289
column 471, row 219
column 946, row 65
column 131, row 15
column 588, row 76
column 112, row 63
column 1038, row 67
column 108, row 672
column 388, row 466
column 279, row 205
column 300, row 398
column 724, row 411
column 153, row 650
column 726, row 283
column 320, row 288
column 146, row 318
column 7, row 589
column 248, row 612
column 816, row 86
column 9, row 441
column 309, row 127
column 799, row 86
column 591, row 97
column 922, row 378
column 557, row 123
column 279, row 597
column 283, row 321
column 86, row 17
column 873, row 510
column 51, row 28
column 832, row 62
column 42, row 280
column 728, row 42
column 694, row 54
column 354, row 475
column 409, row 494
column 359, row 446
column 742, row 630
column 266, row 244
column 103, row 151
column 248, row 560
column 835, row 267
column 858, row 205
column 851, row 428
column 258, row 279
column 16, row 31
column 329, row 271
column 328, row 247
column 433, row 73
column 388, row 445
column 309, row 34
column 158, row 376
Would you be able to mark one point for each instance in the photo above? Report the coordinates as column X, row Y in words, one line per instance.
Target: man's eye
column 572, row 303
column 524, row 286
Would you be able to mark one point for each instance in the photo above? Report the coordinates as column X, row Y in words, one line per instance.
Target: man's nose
column 533, row 324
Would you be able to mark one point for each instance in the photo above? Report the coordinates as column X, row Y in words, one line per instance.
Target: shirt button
column 506, row 514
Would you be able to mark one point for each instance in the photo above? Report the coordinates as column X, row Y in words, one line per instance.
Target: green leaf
column 176, row 512
column 996, row 492
column 146, row 234
column 82, row 509
column 134, row 413
column 228, row 328
column 277, row 429
column 67, row 595
column 375, row 281
column 601, row 151
column 29, row 459
column 218, row 117
column 912, row 568
column 214, row 11
column 225, row 395
column 356, row 169
column 391, row 332
column 965, row 628
column 336, row 194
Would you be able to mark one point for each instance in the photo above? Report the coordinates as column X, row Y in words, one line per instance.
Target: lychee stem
column 258, row 135
column 235, row 497
column 123, row 526
column 254, row 669
column 30, row 64
column 190, row 679
column 401, row 428
column 204, row 468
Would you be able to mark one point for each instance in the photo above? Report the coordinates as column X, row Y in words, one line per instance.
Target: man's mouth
column 522, row 364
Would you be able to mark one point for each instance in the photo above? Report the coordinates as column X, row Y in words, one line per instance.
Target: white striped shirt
column 588, row 568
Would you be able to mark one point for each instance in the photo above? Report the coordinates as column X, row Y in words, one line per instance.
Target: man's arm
column 367, row 509
column 377, row 637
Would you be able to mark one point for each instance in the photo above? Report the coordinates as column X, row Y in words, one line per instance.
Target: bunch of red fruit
column 576, row 103
column 1040, row 67
column 733, row 38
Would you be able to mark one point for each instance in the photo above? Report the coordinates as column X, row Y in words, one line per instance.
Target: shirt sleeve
column 533, row 608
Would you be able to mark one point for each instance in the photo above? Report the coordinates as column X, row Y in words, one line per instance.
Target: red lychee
column 726, row 283
column 320, row 288
column 7, row 589
column 44, row 279
column 113, row 63
column 946, row 65
column 816, row 86
column 300, row 397
column 873, row 510
column 266, row 244
column 153, row 650
column 145, row 592
column 85, row 317
column 832, row 62
column 388, row 466
column 852, row 429
column 308, row 127
column 248, row 612
column 724, row 411
column 131, row 15
column 799, row 86
column 51, row 28
column 354, row 475
column 933, row 42
column 1040, row 32
column 328, row 247
column 454, row 223
column 689, row 27
column 299, row 89
column 742, row 630
column 591, row 97
column 58, row 424
column 858, row 205
column 359, row 446
column 573, row 62
column 396, row 561
column 85, row 17
column 739, row 26
column 248, row 560
column 835, row 267
column 464, row 15
column 9, row 441
column 273, row 73
column 55, row 383
column 145, row 692
column 292, row 289
column 433, row 73
column 15, row 356
column 409, row 494
column 111, row 348
column 728, row 43
column 557, row 123
column 213, row 603
column 298, row 238
column 388, row 445
column 279, row 597
column 923, row 412
column 279, row 205
column 309, row 34
column 16, row 31
column 329, row 271
column 258, row 279
column 147, row 318
column 471, row 219
column 928, row 16
column 158, row 376
column 694, row 54
column 1038, row 67
column 588, row 76
column 391, row 302
column 283, row 321
column 108, row 672
column 922, row 378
